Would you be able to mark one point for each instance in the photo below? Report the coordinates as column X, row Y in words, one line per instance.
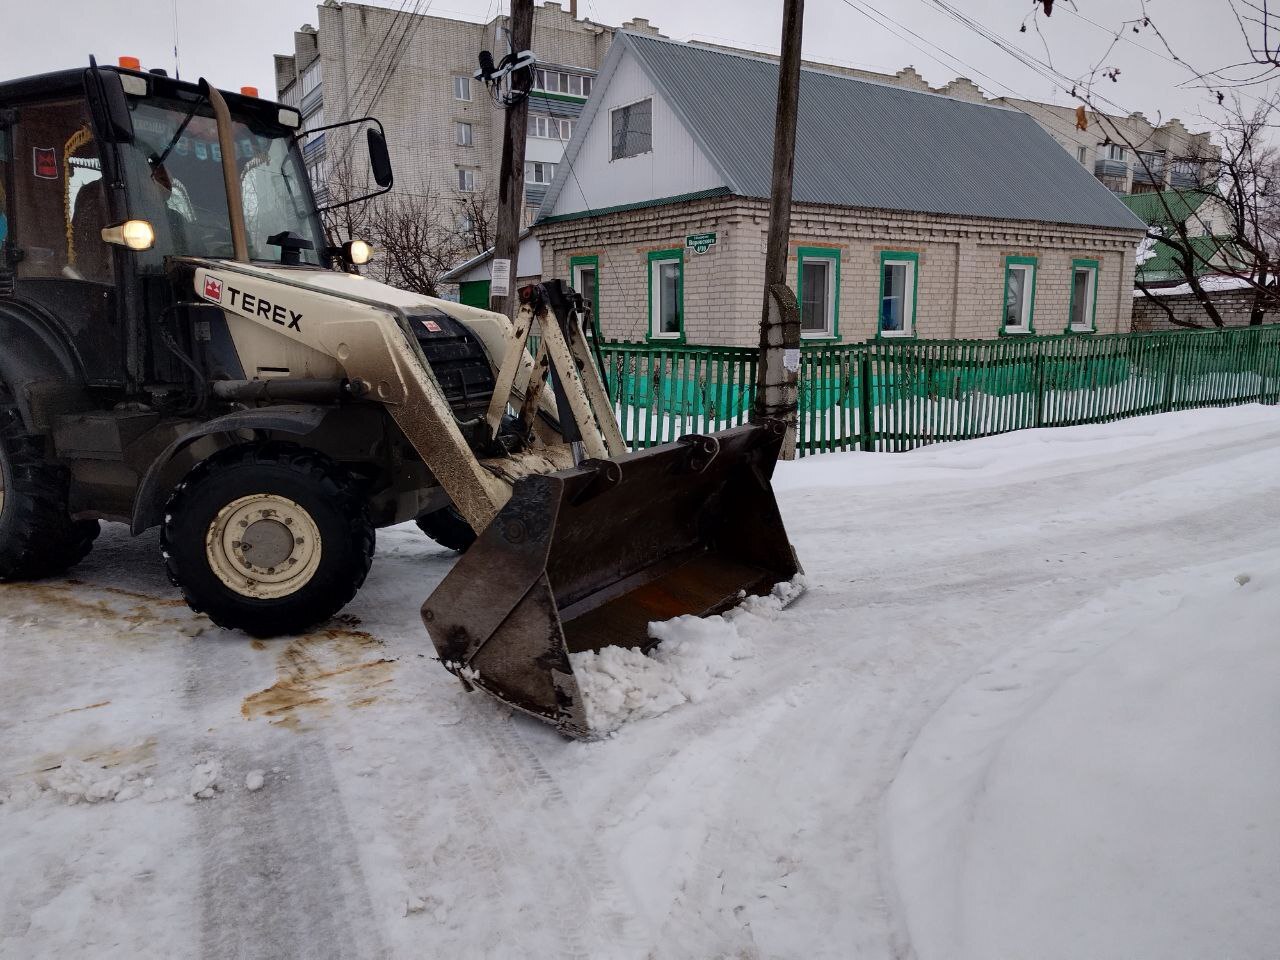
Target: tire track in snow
column 280, row 868
column 512, row 796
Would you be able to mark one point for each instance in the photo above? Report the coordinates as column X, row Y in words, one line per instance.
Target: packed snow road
column 1026, row 709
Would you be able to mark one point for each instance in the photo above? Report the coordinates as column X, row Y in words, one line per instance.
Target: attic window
column 632, row 129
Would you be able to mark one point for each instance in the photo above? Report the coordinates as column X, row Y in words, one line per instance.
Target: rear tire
column 38, row 538
column 448, row 528
column 270, row 539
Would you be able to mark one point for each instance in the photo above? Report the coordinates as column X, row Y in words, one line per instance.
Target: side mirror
column 106, row 93
column 380, row 158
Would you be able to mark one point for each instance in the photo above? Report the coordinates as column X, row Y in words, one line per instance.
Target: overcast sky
column 231, row 41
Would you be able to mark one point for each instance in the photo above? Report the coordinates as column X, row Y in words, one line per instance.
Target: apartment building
column 415, row 72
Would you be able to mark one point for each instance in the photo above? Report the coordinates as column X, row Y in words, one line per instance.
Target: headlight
column 134, row 234
column 357, row 252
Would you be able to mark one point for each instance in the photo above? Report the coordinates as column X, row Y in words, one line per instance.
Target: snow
column 620, row 684
column 1025, row 708
column 1214, row 283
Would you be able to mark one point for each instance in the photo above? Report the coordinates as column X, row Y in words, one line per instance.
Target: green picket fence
column 897, row 395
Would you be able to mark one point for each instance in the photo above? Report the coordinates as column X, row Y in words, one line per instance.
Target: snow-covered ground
column 1028, row 708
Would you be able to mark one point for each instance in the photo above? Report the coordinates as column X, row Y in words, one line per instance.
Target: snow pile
column 204, row 780
column 77, row 781
column 620, row 684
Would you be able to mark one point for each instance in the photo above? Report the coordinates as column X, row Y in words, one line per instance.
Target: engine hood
column 493, row 329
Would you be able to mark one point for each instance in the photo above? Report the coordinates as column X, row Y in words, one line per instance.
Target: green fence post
column 866, row 412
column 1166, row 403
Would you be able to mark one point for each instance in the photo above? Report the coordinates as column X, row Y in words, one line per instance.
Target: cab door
column 56, row 209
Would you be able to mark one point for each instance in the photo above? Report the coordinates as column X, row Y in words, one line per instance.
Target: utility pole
column 506, row 248
column 780, row 321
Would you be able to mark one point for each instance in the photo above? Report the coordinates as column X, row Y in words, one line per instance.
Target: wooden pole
column 780, row 321
column 506, row 248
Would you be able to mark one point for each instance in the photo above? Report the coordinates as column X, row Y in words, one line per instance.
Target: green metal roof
column 1210, row 254
column 1151, row 207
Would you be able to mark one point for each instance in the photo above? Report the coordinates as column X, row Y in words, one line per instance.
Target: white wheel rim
column 263, row 546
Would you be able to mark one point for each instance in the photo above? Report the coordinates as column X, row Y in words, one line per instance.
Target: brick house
column 915, row 214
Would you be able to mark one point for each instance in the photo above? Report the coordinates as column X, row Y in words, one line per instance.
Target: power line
column 877, row 17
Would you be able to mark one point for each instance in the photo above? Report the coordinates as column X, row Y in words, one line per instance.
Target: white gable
column 675, row 166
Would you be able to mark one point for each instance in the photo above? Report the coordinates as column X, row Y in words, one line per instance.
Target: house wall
column 960, row 282
column 676, row 165
column 1233, row 306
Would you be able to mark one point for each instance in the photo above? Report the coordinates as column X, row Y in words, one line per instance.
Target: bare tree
column 415, row 241
column 477, row 218
column 1240, row 178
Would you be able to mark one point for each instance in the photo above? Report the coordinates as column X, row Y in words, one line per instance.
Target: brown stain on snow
column 335, row 664
column 68, row 598
column 141, row 753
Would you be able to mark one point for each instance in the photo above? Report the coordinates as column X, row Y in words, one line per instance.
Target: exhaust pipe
column 230, row 176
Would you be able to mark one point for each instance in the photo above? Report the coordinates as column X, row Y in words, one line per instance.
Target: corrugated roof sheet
column 866, row 144
column 1209, row 255
column 1151, row 207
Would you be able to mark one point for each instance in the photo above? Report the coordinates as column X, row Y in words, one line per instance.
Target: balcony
column 1186, row 174
column 1150, row 168
column 1111, row 169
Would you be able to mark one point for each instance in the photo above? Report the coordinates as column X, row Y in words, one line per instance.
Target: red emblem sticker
column 431, row 325
column 213, row 289
column 44, row 162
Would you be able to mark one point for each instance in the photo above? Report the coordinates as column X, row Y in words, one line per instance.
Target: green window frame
column 830, row 255
column 663, row 256
column 593, row 262
column 909, row 327
column 1011, row 264
column 1076, row 266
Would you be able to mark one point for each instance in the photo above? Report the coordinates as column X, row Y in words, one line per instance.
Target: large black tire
column 261, row 487
column 448, row 528
column 38, row 538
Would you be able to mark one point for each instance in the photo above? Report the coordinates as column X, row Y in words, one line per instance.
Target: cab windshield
column 177, row 184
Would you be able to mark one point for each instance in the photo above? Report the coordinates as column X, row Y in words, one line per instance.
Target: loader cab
column 83, row 150
column 54, row 266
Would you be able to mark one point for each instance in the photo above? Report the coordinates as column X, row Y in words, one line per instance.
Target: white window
column 550, row 128
column 1114, row 151
column 632, row 129
column 557, row 81
column 462, row 88
column 1082, row 153
column 666, row 296
column 817, row 296
column 464, row 134
column 586, row 280
column 311, row 76
column 311, row 122
column 1019, row 294
column 539, row 172
column 1084, row 285
column 466, row 180
column 897, row 297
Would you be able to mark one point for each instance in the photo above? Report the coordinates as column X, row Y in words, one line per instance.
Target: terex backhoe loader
column 179, row 348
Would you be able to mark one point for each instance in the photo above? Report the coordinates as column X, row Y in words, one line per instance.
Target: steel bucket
column 585, row 558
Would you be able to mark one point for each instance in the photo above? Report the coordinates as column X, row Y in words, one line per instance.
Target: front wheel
column 269, row 538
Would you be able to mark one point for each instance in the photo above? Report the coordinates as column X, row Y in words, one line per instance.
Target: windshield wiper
column 158, row 161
